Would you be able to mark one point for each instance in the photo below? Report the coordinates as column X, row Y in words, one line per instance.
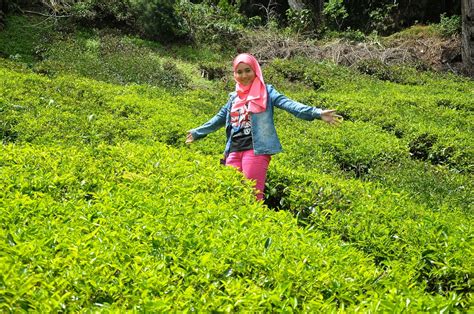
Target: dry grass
column 434, row 52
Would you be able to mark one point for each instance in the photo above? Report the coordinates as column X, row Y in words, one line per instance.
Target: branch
column 46, row 15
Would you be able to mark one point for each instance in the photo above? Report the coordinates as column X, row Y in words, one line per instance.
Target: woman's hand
column 331, row 117
column 189, row 138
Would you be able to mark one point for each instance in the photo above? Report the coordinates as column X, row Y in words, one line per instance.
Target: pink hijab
column 256, row 93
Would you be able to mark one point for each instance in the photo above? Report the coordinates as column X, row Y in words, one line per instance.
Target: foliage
column 392, row 237
column 155, row 19
column 93, row 10
column 335, row 13
column 380, row 70
column 112, row 59
column 28, row 38
column 414, row 32
column 382, row 18
column 185, row 20
column 159, row 19
column 106, row 221
column 103, row 207
column 299, row 21
column 349, row 34
column 220, row 25
column 213, row 70
column 449, row 25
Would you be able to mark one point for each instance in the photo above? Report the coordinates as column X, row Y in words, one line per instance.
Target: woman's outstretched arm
column 302, row 111
column 210, row 126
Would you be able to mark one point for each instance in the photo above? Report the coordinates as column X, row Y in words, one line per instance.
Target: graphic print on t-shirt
column 242, row 126
column 240, row 119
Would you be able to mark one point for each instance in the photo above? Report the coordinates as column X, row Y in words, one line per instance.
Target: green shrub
column 379, row 69
column 299, row 21
column 214, row 25
column 388, row 226
column 102, row 201
column 420, row 147
column 295, row 72
column 159, row 19
column 136, row 227
column 29, row 34
column 381, row 18
column 100, row 10
column 425, row 104
column 449, row 25
column 112, row 59
column 409, row 110
column 156, row 19
column 335, row 13
column 436, row 186
column 77, row 111
column 213, row 70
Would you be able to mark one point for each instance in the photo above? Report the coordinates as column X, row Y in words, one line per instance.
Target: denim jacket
column 264, row 135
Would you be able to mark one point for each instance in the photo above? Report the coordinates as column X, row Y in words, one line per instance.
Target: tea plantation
column 104, row 208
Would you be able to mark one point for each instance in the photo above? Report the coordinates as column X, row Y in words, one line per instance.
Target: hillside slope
column 104, row 207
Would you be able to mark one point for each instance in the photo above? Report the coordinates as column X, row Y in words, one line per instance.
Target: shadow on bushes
column 213, row 70
column 400, row 74
column 421, row 147
column 110, row 58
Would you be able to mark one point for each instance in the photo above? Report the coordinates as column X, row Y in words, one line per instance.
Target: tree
column 3, row 10
column 467, row 12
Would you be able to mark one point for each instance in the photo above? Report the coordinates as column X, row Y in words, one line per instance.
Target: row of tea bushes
column 127, row 105
column 387, row 137
column 153, row 228
column 104, row 55
column 433, row 117
column 89, row 114
column 66, row 109
column 110, row 58
column 363, row 150
column 355, row 147
column 70, row 110
column 439, row 135
column 436, row 187
column 433, row 247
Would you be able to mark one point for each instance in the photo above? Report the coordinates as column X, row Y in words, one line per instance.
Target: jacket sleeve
column 212, row 125
column 295, row 108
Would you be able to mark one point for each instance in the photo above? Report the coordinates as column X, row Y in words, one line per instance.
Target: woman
column 248, row 117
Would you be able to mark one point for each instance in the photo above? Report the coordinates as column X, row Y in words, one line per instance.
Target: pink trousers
column 254, row 167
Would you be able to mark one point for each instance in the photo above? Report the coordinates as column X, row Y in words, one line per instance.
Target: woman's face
column 244, row 74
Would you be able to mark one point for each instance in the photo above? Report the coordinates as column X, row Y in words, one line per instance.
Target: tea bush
column 112, row 59
column 219, row 25
column 441, row 106
column 434, row 246
column 380, row 70
column 104, row 208
column 146, row 228
column 93, row 262
column 82, row 111
column 409, row 111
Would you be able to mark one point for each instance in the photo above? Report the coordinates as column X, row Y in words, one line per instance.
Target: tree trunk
column 467, row 12
column 3, row 10
column 315, row 6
